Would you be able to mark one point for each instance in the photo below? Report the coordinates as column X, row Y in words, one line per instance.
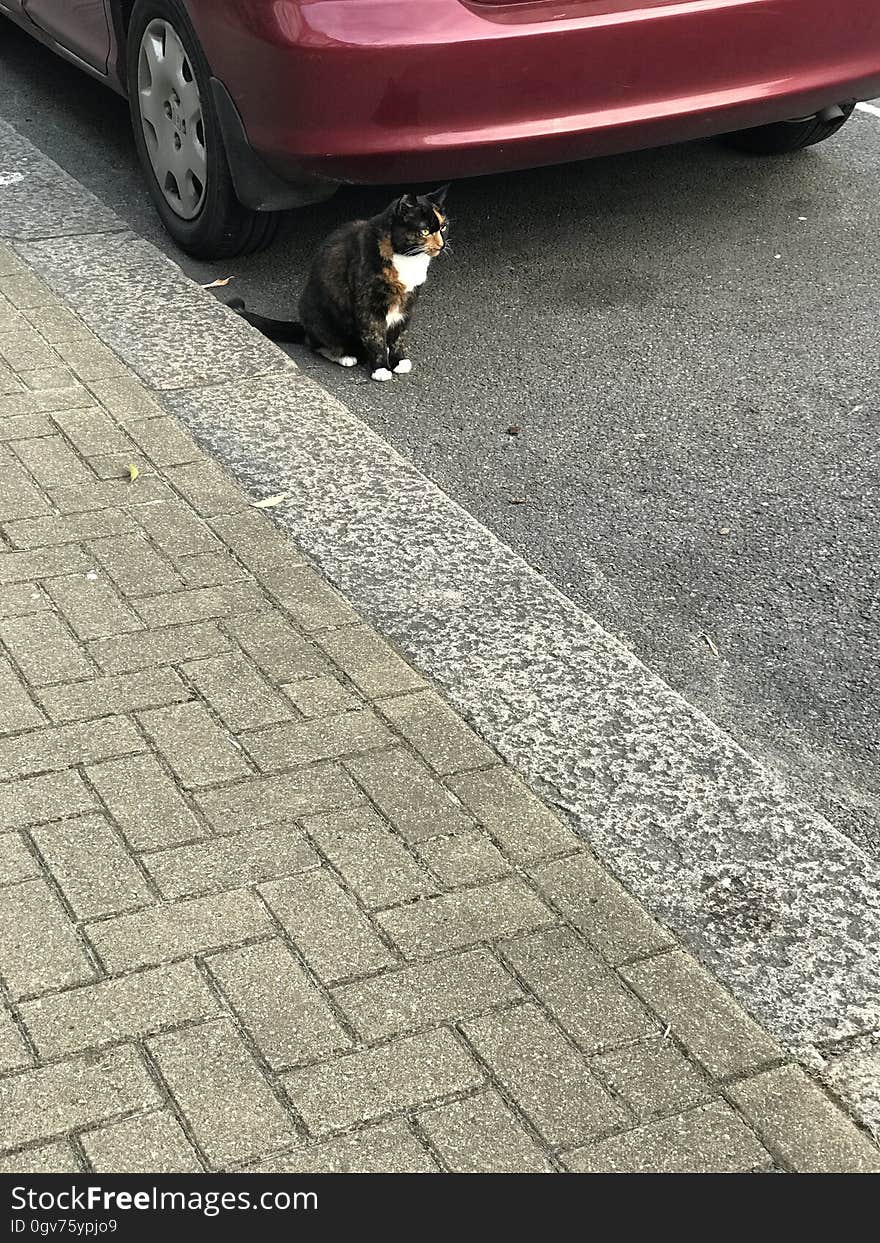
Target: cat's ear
column 405, row 204
column 438, row 196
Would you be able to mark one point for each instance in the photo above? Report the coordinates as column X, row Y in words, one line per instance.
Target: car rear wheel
column 178, row 138
column 783, row 137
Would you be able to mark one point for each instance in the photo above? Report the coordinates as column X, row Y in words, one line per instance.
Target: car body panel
column 390, row 90
column 81, row 26
column 400, row 90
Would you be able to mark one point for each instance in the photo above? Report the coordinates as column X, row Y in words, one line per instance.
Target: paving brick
column 118, row 466
column 126, row 653
column 195, row 746
column 127, row 1008
column 321, row 697
column 610, row 918
column 90, row 360
column 22, row 403
column 92, row 431
column 707, row 1021
column 65, row 746
column 414, row 801
column 227, row 862
column 43, row 798
column 176, row 529
column 798, row 1123
column 52, row 1099
column 25, row 427
column 25, row 290
column 453, row 987
column 389, row 1148
column 207, row 488
column 264, row 800
column 233, row 1113
column 395, row 1077
column 289, row 1020
column 19, row 599
column 141, row 494
column 587, row 999
column 135, row 566
column 653, row 1078
column 14, row 1053
column 371, row 858
column 711, row 1139
column 506, row 806
column 18, row 496
column 237, row 691
column 145, row 803
column 31, row 915
column 201, row 604
column 25, row 349
column 18, row 567
column 55, row 1158
column 73, row 529
column 126, row 398
column 332, row 934
column 17, row 711
column 463, row 859
column 56, row 324
column 92, row 608
column 179, row 929
column 438, row 734
column 53, row 463
column 311, row 602
column 298, row 743
column 92, row 868
column 77, row 701
column 51, row 378
column 43, row 649
column 544, row 1075
column 373, row 666
column 148, row 1144
column 16, row 861
column 210, row 569
column 464, row 917
column 273, row 644
column 10, row 382
column 256, row 541
column 480, row 1135
column 164, row 441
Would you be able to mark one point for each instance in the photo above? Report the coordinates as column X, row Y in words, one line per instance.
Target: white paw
column 381, row 373
column 404, row 367
column 347, row 360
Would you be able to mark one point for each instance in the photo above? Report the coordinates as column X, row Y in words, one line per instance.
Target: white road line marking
column 871, row 108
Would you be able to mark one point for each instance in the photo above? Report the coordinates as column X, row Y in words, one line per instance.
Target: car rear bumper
column 394, row 90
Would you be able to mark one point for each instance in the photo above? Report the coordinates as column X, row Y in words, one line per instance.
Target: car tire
column 784, row 137
column 179, row 140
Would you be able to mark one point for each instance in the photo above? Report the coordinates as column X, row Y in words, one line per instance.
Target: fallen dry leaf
column 514, row 430
column 711, row 646
column 218, row 284
column 133, row 471
column 268, row 501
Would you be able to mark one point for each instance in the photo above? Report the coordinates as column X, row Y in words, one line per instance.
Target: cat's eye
column 425, row 232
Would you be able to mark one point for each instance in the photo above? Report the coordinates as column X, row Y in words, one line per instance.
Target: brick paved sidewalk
column 266, row 902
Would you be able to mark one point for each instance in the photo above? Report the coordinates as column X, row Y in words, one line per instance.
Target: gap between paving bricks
column 666, row 799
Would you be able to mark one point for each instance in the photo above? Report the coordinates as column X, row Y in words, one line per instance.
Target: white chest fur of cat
column 412, row 271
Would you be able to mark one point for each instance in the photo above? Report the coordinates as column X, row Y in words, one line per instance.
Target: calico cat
column 363, row 285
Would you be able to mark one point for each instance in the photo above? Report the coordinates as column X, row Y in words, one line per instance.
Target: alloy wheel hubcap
column 171, row 114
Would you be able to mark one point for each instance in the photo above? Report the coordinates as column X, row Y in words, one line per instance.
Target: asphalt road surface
column 687, row 343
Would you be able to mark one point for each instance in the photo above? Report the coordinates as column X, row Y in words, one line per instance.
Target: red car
column 242, row 108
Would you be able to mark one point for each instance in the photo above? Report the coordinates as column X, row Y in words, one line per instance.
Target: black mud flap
column 256, row 184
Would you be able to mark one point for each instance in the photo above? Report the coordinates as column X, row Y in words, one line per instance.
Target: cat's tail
column 277, row 329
